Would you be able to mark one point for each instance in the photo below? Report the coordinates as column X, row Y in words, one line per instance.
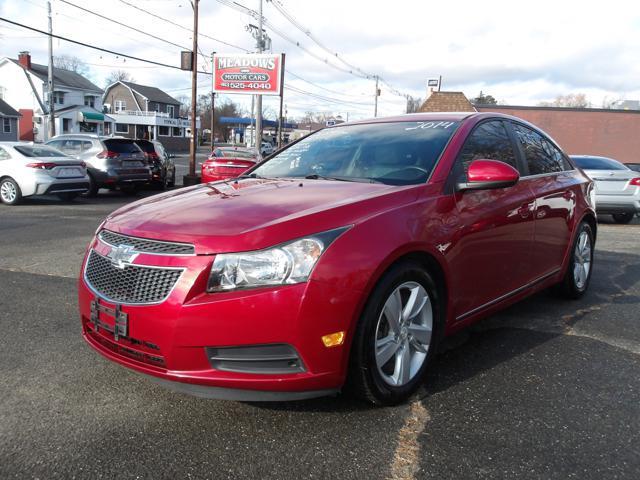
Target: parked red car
column 342, row 260
column 228, row 162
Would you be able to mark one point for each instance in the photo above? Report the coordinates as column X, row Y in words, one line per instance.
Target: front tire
column 10, row 192
column 623, row 217
column 578, row 275
column 396, row 336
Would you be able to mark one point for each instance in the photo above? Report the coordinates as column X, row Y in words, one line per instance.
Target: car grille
column 144, row 245
column 132, row 284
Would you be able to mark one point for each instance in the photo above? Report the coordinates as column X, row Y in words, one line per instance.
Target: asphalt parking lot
column 546, row 389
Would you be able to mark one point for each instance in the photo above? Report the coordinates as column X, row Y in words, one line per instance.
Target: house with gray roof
column 77, row 102
column 8, row 122
column 144, row 112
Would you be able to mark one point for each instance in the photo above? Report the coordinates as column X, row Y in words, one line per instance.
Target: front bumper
column 169, row 340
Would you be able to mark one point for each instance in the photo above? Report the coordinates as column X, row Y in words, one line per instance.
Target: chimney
column 25, row 60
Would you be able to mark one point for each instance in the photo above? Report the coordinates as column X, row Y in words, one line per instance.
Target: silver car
column 112, row 162
column 617, row 190
column 28, row 169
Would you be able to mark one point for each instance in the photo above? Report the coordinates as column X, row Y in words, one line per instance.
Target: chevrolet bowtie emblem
column 122, row 255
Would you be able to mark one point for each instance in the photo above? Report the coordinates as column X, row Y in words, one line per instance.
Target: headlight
column 288, row 263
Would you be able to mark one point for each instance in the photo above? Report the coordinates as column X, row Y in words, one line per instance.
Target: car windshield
column 238, row 154
column 395, row 153
column 598, row 163
column 39, row 151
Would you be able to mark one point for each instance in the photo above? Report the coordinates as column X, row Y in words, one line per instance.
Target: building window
column 163, row 131
column 88, row 127
column 89, row 101
column 66, row 125
column 6, row 125
column 122, row 128
column 177, row 131
column 170, row 110
column 121, row 106
column 58, row 97
column 156, row 107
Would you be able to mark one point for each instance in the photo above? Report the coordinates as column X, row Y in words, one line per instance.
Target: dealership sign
column 248, row 73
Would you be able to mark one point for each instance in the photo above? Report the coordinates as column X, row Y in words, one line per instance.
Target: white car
column 28, row 169
column 617, row 188
column 266, row 149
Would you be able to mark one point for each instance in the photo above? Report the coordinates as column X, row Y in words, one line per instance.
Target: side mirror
column 489, row 174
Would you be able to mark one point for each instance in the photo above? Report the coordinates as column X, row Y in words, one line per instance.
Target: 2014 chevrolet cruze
column 341, row 261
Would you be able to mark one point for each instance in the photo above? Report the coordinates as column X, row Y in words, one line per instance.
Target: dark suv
column 112, row 162
column 163, row 169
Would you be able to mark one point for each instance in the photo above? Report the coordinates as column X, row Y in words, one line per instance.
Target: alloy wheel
column 582, row 260
column 8, row 191
column 403, row 333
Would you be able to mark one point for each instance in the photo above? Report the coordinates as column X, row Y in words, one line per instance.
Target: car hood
column 251, row 214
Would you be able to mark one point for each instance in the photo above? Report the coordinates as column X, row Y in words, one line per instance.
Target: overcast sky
column 521, row 55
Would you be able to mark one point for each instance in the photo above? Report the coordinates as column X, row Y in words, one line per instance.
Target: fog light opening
column 333, row 339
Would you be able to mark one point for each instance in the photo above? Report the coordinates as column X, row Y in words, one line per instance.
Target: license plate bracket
column 121, row 320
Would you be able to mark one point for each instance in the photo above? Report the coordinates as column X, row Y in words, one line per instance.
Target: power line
column 171, row 22
column 253, row 14
column 123, row 25
column 66, row 39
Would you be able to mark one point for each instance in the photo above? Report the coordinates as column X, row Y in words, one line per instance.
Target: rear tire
column 389, row 355
column 10, row 192
column 578, row 275
column 623, row 217
column 93, row 187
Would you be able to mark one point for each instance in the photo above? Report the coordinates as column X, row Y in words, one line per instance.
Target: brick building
column 579, row 131
column 584, row 131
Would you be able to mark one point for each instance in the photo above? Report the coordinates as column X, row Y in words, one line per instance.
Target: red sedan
column 344, row 259
column 228, row 162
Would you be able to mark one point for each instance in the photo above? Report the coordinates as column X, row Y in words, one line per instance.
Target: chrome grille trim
column 145, row 245
column 133, row 285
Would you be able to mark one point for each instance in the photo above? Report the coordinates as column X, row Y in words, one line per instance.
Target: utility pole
column 52, row 116
column 258, row 131
column 192, row 179
column 213, row 99
column 375, row 110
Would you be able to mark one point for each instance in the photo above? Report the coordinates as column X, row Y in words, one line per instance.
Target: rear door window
column 489, row 141
column 541, row 155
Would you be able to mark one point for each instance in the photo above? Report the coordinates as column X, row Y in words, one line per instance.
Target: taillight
column 108, row 154
column 635, row 181
column 42, row 165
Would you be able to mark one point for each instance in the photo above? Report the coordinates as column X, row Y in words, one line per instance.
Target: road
column 546, row 389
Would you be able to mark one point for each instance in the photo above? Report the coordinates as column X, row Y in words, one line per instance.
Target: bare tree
column 573, row 100
column 69, row 62
column 119, row 76
column 413, row 104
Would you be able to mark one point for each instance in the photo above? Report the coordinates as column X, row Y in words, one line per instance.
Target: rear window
column 598, row 163
column 39, row 151
column 238, row 154
column 146, row 146
column 121, row 146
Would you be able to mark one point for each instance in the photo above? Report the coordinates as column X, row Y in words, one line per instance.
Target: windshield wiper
column 315, row 176
column 252, row 175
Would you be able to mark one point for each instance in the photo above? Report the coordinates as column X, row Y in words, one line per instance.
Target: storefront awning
column 90, row 117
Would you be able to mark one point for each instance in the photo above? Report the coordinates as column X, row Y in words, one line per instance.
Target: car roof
column 595, row 156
